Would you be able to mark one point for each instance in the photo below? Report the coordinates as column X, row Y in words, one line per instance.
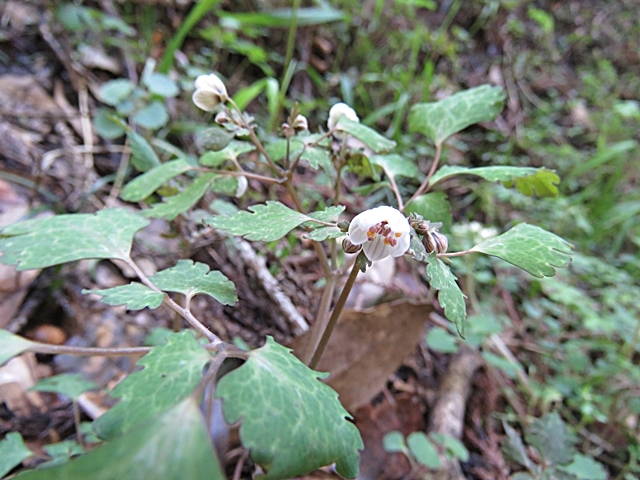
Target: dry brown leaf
column 367, row 346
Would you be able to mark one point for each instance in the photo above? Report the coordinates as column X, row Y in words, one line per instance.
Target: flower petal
column 337, row 111
column 205, row 100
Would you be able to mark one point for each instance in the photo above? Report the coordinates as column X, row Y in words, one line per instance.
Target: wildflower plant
column 290, row 422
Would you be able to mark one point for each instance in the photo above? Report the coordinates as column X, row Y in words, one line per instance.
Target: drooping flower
column 382, row 231
column 339, row 110
column 209, row 93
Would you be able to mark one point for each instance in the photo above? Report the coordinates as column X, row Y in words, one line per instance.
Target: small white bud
column 300, row 123
column 242, row 186
column 339, row 110
column 209, row 93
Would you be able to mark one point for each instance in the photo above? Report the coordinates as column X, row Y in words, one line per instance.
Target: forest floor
column 571, row 71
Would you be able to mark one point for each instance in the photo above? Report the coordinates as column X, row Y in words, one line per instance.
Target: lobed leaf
column 230, row 152
column 530, row 248
column 135, row 296
column 372, row 139
column 291, row 422
column 144, row 185
column 192, row 278
column 450, row 296
column 267, row 222
column 43, row 242
column 172, row 371
column 550, row 435
column 172, row 446
column 11, row 346
column 526, row 179
column 12, row 452
column 71, row 385
column 586, row 468
column 439, row 120
column 173, row 206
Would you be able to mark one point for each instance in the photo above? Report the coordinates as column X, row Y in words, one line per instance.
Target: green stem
column 425, row 184
column 291, row 43
column 320, row 325
column 317, row 354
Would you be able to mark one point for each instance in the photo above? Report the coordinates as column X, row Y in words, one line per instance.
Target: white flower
column 382, row 231
column 339, row 110
column 242, row 186
column 209, row 93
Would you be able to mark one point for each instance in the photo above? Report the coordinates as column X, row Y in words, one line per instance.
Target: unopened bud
column 421, row 227
column 435, row 242
column 349, row 247
column 222, row 118
column 343, row 226
column 300, row 123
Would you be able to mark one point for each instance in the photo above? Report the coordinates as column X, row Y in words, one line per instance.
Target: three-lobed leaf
column 530, row 248
column 192, row 278
column 267, row 222
column 135, row 296
column 439, row 120
column 43, row 242
column 171, row 372
column 173, row 445
column 291, row 422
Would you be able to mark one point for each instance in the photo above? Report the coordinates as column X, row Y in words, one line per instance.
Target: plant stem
column 317, row 354
column 394, row 188
column 76, row 420
column 291, row 43
column 425, row 184
column 183, row 312
column 320, row 325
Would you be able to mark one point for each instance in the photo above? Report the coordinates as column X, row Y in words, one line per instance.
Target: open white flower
column 209, row 93
column 339, row 110
column 382, row 231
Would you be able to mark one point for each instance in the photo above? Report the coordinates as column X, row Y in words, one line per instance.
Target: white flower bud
column 242, row 186
column 209, row 93
column 300, row 123
column 382, row 231
column 339, row 110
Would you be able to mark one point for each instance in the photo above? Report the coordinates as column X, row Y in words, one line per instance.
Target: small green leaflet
column 147, row 183
column 135, row 296
column 396, row 165
column 173, row 206
column 530, row 248
column 424, row 450
column 43, row 242
column 115, row 91
column 143, row 156
column 192, row 278
column 172, row 371
column 450, row 296
column 394, row 442
column 230, row 152
column 323, row 233
column 12, row 452
column 152, row 116
column 372, row 139
column 527, row 179
column 314, row 156
column 71, row 385
column 434, row 207
column 11, row 346
column 267, row 222
column 439, row 120
column 285, row 409
column 174, row 445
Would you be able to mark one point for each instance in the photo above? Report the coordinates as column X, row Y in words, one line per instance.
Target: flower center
column 382, row 229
